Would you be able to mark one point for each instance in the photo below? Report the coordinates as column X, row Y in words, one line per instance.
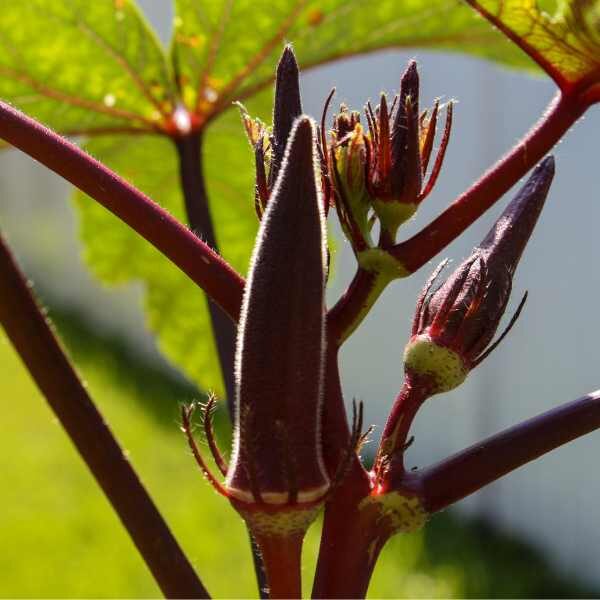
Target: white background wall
column 550, row 357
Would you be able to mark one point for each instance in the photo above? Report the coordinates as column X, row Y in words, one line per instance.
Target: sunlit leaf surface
column 563, row 37
column 81, row 66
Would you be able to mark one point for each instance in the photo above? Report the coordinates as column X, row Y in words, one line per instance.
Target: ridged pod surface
column 456, row 323
column 281, row 342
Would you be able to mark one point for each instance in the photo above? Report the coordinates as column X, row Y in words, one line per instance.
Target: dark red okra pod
column 454, row 325
column 277, row 461
column 277, row 478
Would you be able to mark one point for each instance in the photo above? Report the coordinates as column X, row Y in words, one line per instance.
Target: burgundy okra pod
column 454, row 325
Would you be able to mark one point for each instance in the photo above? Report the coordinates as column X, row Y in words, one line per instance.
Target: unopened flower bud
column 402, row 144
column 454, row 325
column 393, row 153
column 349, row 156
column 406, row 175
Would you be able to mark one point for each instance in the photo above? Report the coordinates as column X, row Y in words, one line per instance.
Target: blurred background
column 535, row 533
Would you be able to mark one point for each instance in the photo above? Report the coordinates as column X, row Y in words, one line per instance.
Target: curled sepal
column 254, row 128
column 277, row 457
column 454, row 325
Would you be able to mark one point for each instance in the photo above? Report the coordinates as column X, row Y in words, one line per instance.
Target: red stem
column 342, row 316
column 30, row 333
column 335, row 431
column 350, row 546
column 560, row 115
column 197, row 260
column 282, row 559
column 468, row 471
column 403, row 412
column 395, row 433
column 342, row 570
column 353, row 537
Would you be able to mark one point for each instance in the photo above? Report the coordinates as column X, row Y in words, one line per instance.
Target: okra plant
column 296, row 451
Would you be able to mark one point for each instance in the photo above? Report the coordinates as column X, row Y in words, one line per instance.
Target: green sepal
column 444, row 367
column 393, row 214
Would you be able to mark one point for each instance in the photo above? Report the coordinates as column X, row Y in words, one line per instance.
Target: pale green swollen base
column 280, row 523
column 424, row 357
column 393, row 214
column 383, row 263
column 404, row 514
column 386, row 268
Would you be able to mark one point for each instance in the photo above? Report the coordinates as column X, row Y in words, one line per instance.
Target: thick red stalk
column 354, row 533
column 342, row 317
column 396, row 430
column 336, row 433
column 560, row 115
column 468, row 471
column 342, row 569
column 30, row 333
column 350, row 545
column 404, row 409
column 282, row 557
column 196, row 259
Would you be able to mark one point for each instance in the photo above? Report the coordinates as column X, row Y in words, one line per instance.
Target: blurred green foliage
column 61, row 539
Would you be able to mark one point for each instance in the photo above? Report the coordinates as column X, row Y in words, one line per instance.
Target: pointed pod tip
column 288, row 59
column 287, row 75
column 511, row 232
column 288, row 106
column 410, row 77
column 303, row 132
column 539, row 182
column 546, row 167
column 304, row 121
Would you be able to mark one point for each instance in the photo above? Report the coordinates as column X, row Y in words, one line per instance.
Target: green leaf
column 226, row 50
column 81, row 66
column 566, row 44
column 175, row 307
